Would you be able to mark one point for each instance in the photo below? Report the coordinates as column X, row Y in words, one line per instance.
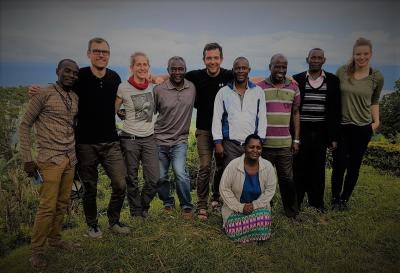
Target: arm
column 225, row 189
column 217, row 124
column 334, row 113
column 296, row 124
column 262, row 116
column 375, row 100
column 265, row 198
column 35, row 107
column 118, row 103
column 375, row 116
column 33, row 89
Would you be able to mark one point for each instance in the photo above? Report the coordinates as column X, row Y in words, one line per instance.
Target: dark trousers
column 205, row 149
column 135, row 151
column 347, row 158
column 232, row 150
column 109, row 155
column 282, row 159
column 309, row 165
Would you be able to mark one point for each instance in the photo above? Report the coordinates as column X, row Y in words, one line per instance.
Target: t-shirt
column 96, row 109
column 174, row 109
column 206, row 89
column 251, row 188
column 279, row 108
column 139, row 107
column 358, row 96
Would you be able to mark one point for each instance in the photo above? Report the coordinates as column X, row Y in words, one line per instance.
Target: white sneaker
column 95, row 232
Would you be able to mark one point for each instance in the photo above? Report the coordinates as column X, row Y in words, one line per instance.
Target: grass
column 364, row 239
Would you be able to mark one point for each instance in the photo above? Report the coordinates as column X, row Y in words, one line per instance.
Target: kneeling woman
column 247, row 187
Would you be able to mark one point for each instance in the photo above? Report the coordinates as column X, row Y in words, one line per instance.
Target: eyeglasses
column 99, row 52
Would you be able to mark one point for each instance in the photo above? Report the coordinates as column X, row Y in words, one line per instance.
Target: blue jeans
column 176, row 155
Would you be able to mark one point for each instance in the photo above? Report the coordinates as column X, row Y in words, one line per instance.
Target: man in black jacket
column 320, row 114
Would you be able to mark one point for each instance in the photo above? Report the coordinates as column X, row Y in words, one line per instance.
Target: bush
column 383, row 156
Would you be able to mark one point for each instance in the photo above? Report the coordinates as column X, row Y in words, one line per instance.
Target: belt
column 133, row 137
column 235, row 142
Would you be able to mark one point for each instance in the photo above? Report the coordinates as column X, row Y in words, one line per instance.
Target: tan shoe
column 65, row 245
column 187, row 214
column 38, row 261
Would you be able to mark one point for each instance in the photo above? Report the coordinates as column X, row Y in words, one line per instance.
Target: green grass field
column 364, row 239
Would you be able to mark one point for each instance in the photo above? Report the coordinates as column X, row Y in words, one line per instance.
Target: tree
column 390, row 113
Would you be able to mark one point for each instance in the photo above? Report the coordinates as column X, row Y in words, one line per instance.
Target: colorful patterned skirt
column 242, row 228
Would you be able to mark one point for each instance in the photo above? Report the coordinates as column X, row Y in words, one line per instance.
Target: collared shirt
column 237, row 116
column 52, row 112
column 280, row 101
column 318, row 81
column 174, row 108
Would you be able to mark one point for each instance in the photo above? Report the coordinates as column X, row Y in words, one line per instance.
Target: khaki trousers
column 54, row 199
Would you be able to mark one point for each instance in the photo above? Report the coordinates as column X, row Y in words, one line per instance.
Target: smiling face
column 212, row 60
column 278, row 68
column 67, row 74
column 362, row 55
column 241, row 70
column 140, row 68
column 177, row 70
column 253, row 149
column 99, row 55
column 315, row 60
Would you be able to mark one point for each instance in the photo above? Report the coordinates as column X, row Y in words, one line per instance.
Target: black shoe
column 145, row 213
column 321, row 210
column 343, row 206
column 335, row 204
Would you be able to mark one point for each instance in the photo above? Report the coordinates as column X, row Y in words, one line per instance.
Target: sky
column 35, row 35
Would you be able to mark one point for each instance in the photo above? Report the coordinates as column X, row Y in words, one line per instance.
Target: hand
column 248, row 208
column 30, row 168
column 375, row 126
column 121, row 114
column 219, row 150
column 295, row 148
column 33, row 89
column 290, row 78
column 333, row 146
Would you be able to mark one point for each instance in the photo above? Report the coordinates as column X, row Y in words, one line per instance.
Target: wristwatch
column 296, row 141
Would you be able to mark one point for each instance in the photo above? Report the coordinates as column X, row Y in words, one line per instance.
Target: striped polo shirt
column 279, row 103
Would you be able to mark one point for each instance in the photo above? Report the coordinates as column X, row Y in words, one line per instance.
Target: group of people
column 259, row 131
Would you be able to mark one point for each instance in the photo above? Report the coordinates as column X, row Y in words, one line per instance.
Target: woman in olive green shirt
column 360, row 90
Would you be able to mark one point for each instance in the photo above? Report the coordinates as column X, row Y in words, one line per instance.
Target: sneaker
column 187, row 214
column 120, row 229
column 65, row 245
column 38, row 261
column 95, row 232
column 168, row 210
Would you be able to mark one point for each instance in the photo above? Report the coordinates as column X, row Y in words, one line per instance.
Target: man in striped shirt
column 320, row 114
column 282, row 98
column 52, row 111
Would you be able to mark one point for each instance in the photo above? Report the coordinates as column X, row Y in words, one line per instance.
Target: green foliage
column 383, row 156
column 364, row 239
column 390, row 113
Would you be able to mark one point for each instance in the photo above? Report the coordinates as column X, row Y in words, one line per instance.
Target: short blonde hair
column 137, row 54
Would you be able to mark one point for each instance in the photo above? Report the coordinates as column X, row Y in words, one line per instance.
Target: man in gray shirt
column 174, row 100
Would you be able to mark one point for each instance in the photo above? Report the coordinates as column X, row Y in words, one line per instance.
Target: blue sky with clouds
column 35, row 35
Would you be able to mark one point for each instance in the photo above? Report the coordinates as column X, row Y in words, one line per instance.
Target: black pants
column 282, row 159
column 347, row 158
column 109, row 155
column 309, row 165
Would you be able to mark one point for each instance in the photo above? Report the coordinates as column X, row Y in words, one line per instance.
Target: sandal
column 202, row 214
